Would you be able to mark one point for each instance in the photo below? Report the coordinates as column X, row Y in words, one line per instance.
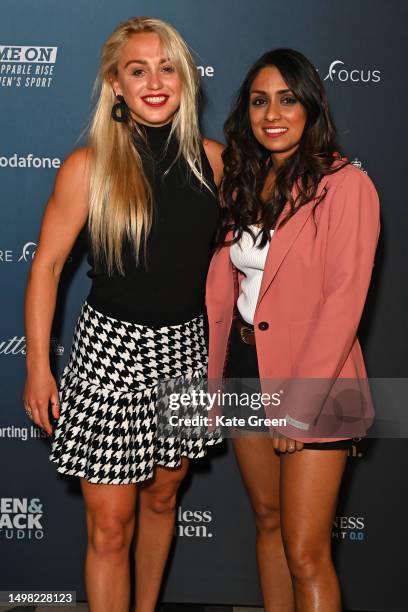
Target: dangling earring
column 120, row 110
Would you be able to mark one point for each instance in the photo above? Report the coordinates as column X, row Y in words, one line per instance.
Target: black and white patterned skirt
column 109, row 429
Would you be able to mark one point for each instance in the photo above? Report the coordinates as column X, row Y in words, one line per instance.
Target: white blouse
column 250, row 260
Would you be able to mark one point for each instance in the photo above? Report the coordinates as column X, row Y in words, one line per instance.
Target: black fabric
column 167, row 287
column 242, row 368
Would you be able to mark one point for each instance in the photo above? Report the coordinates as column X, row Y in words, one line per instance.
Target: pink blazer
column 312, row 296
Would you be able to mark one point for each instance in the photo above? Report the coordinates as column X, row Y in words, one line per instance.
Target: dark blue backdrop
column 359, row 49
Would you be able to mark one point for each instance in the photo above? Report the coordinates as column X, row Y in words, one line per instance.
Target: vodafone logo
column 29, row 161
column 206, row 71
column 338, row 72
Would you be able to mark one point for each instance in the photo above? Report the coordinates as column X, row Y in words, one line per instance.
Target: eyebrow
column 144, row 62
column 280, row 91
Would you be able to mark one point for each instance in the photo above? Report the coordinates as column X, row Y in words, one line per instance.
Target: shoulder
column 213, row 150
column 350, row 178
column 74, row 172
column 351, row 195
column 77, row 161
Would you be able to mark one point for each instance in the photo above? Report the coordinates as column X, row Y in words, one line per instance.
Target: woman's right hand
column 285, row 445
column 40, row 389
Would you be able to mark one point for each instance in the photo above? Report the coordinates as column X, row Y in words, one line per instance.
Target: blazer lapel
column 281, row 242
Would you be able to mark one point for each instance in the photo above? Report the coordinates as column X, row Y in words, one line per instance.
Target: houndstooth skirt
column 108, row 431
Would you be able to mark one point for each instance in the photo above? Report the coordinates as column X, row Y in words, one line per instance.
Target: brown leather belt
column 246, row 331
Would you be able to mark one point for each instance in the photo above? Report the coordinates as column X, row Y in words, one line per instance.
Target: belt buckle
column 242, row 333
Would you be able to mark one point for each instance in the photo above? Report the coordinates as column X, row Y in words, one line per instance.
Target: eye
column 258, row 101
column 138, row 72
column 169, row 69
column 289, row 100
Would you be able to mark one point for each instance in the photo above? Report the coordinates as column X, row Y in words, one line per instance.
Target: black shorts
column 242, row 366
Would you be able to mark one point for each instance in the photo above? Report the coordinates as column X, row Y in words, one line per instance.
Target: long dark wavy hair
column 247, row 163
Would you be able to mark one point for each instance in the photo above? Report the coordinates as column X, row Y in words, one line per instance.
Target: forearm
column 40, row 300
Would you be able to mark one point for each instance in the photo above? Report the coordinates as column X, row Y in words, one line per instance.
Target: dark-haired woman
column 286, row 290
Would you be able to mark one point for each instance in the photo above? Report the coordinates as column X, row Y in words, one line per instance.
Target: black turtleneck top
column 167, row 287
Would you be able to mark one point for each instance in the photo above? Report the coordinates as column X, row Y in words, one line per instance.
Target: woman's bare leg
column 110, row 512
column 260, row 466
column 310, row 482
column 157, row 511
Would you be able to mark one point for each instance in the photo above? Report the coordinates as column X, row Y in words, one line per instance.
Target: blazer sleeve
column 353, row 231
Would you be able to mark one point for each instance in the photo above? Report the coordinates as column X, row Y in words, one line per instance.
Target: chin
column 278, row 148
column 155, row 116
column 274, row 148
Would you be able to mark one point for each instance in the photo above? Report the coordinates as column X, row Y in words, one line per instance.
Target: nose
column 273, row 111
column 154, row 81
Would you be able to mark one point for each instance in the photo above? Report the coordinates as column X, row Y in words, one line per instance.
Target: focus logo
column 22, row 66
column 348, row 528
column 20, row 518
column 338, row 72
column 193, row 523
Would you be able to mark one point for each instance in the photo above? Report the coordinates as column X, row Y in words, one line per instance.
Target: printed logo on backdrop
column 21, row 518
column 17, row 346
column 351, row 528
column 29, row 161
column 358, row 164
column 339, row 72
column 28, row 251
column 23, row 255
column 193, row 523
column 206, row 71
column 12, row 432
column 355, row 452
column 24, row 66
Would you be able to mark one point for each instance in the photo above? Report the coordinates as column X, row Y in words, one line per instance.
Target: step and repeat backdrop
column 49, row 53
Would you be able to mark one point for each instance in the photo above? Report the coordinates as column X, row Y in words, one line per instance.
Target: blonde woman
column 143, row 195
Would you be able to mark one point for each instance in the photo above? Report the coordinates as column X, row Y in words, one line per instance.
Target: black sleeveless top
column 167, row 287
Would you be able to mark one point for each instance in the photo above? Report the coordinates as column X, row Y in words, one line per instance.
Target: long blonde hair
column 120, row 196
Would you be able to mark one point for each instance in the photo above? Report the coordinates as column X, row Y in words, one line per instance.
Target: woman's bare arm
column 213, row 150
column 63, row 219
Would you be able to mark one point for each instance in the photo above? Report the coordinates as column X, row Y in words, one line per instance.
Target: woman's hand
column 283, row 444
column 39, row 390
